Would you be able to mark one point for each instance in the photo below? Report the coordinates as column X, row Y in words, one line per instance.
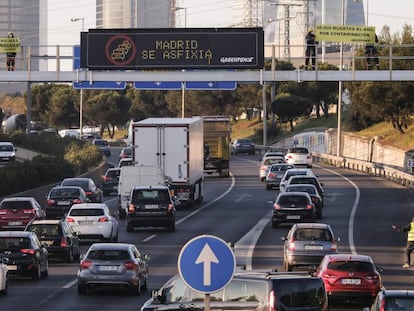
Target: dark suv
column 150, row 206
column 248, row 290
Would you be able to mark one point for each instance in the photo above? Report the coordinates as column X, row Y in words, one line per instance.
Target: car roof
column 348, row 257
column 46, row 221
column 292, row 193
column 18, row 199
column 21, row 234
column 89, row 205
column 76, row 178
column 398, row 292
column 316, row 225
column 67, row 187
column 110, row 246
column 6, row 143
column 156, row 187
column 301, row 186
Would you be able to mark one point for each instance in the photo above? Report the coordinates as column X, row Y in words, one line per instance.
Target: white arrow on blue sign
column 206, row 264
column 158, row 85
column 219, row 85
column 99, row 85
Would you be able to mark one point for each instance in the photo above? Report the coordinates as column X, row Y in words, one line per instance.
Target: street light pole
column 75, row 19
column 341, row 61
column 183, row 83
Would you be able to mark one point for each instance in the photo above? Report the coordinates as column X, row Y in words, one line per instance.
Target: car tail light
column 289, row 157
column 107, row 178
column 170, row 207
column 372, row 277
column 63, row 242
column 29, row 211
column 334, row 246
column 382, row 306
column 271, row 301
column 309, row 206
column 291, row 246
column 30, row 251
column 130, row 265
column 85, row 264
column 277, row 206
column 131, row 208
column 3, row 212
column 50, row 202
column 88, row 192
column 308, row 156
column 70, row 219
column 103, row 219
column 76, row 201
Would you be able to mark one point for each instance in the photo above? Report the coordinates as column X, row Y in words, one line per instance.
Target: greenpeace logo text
column 236, row 60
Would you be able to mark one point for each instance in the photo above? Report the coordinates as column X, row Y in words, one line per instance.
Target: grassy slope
column 389, row 135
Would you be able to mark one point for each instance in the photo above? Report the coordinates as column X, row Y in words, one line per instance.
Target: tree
column 62, row 110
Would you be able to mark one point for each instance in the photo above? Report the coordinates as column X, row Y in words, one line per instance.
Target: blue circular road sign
column 206, row 264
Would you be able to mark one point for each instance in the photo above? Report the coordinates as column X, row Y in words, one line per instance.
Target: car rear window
column 108, row 255
column 312, row 234
column 399, row 303
column 273, row 161
column 86, row 212
column 113, row 173
column 16, row 205
column 297, row 293
column 298, row 150
column 293, row 199
column 101, row 143
column 80, row 183
column 310, row 190
column 304, row 180
column 149, row 196
column 65, row 193
column 44, row 229
column 354, row 265
column 13, row 243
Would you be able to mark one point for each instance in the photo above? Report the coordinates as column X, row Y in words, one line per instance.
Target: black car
column 292, row 207
column 27, row 256
column 313, row 193
column 110, row 181
column 393, row 300
column 60, row 199
column 249, row 290
column 243, row 145
column 93, row 193
column 150, row 206
column 60, row 239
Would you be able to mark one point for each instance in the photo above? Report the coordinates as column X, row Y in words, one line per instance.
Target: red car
column 349, row 276
column 17, row 212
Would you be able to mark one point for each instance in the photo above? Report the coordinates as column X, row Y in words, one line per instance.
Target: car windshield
column 13, row 243
column 44, row 229
column 312, row 234
column 354, row 265
column 6, row 148
column 86, row 212
column 108, row 255
column 15, row 205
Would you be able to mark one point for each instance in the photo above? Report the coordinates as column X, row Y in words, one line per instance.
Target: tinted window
column 399, row 303
column 293, row 199
column 361, row 266
column 310, row 190
column 296, row 293
column 298, row 150
column 50, row 229
column 81, row 183
column 6, row 148
column 174, row 292
column 86, row 212
column 65, row 192
column 149, row 196
column 244, row 291
column 279, row 168
column 113, row 174
column 16, row 205
column 109, row 255
column 14, row 243
column 312, row 234
column 272, row 161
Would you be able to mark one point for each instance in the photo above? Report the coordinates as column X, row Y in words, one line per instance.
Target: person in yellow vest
column 409, row 228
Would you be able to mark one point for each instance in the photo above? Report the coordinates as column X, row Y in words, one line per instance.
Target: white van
column 7, row 151
column 132, row 176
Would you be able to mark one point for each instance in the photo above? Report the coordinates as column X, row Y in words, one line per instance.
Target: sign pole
column 207, row 302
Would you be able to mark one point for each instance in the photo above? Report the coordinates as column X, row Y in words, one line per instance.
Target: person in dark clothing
column 371, row 55
column 11, row 56
column 409, row 228
column 310, row 49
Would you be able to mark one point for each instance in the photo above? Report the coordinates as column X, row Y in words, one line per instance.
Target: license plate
column 15, row 223
column 151, row 206
column 12, row 267
column 293, row 217
column 351, row 281
column 108, row 268
column 85, row 222
column 63, row 202
column 314, row 247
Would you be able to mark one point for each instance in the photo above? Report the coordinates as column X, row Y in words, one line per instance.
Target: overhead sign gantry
column 172, row 48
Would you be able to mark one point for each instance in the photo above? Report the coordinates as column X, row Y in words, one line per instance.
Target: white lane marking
column 70, row 284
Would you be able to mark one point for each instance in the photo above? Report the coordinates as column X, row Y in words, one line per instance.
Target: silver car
column 265, row 164
column 119, row 265
column 307, row 243
column 275, row 173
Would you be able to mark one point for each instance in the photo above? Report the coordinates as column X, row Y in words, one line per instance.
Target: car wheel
column 82, row 290
column 45, row 272
column 37, row 274
column 145, row 285
column 136, row 290
column 122, row 214
column 171, row 226
column 129, row 227
column 69, row 256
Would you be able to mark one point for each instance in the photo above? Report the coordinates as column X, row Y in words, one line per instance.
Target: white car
column 299, row 156
column 7, row 151
column 93, row 221
column 4, row 285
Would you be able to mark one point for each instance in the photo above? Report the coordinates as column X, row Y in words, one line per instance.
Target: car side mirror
column 147, row 258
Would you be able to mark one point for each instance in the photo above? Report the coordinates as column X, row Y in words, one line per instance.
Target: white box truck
column 176, row 145
column 133, row 176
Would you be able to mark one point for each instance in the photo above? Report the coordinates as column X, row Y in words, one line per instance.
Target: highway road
column 360, row 208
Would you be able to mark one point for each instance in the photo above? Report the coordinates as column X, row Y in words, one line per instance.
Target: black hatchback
column 60, row 239
column 60, row 199
column 110, row 181
column 27, row 256
column 93, row 193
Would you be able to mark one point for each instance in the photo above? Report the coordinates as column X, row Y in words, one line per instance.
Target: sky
column 206, row 13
